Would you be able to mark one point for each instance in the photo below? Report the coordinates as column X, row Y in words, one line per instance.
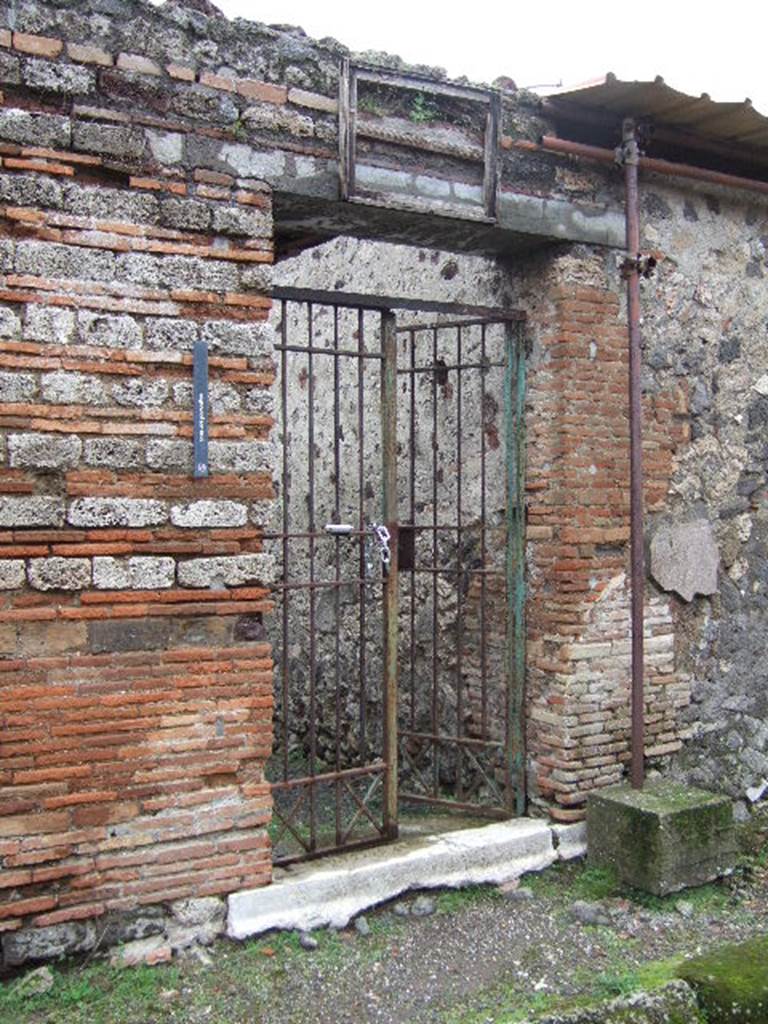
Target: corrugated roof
column 691, row 117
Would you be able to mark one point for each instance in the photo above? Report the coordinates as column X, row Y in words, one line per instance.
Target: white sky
column 697, row 46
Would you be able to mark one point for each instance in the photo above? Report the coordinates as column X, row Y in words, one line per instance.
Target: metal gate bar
column 466, row 752
column 319, row 804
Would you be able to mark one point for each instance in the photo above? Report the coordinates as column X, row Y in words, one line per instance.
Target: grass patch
column 454, row 900
column 92, row 994
column 574, row 881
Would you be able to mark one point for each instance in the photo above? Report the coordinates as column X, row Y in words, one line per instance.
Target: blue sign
column 200, row 408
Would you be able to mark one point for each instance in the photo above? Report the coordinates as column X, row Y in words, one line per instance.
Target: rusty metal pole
column 389, row 447
column 632, row 268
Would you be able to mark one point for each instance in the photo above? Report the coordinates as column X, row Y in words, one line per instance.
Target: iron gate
column 365, row 405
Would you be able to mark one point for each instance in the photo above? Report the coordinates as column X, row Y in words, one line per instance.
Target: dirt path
column 479, row 958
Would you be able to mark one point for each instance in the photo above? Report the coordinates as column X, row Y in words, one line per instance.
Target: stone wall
column 136, row 683
column 141, row 152
column 705, row 323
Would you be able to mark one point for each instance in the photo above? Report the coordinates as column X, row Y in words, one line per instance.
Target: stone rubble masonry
column 134, row 722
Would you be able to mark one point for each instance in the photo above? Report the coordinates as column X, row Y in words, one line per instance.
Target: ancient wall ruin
column 144, row 151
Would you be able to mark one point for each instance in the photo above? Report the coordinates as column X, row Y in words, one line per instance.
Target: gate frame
column 514, row 418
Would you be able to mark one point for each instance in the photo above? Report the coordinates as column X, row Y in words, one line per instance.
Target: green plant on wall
column 422, row 109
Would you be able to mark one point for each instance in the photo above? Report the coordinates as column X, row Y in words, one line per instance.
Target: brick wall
column 135, row 681
column 578, row 530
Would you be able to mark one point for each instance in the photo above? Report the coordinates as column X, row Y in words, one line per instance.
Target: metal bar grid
column 467, row 752
column 460, row 725
column 318, row 803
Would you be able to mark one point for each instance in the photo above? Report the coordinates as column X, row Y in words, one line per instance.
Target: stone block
column 30, row 189
column 226, row 571
column 60, row 573
column 192, row 272
column 166, row 147
column 11, row 573
column 137, row 62
column 109, row 331
column 240, row 456
column 231, row 338
column 684, row 558
column 222, row 397
column 42, row 451
column 24, row 511
column 110, row 203
column 48, row 323
column 206, row 514
column 166, row 333
column 731, row 983
column 17, row 387
column 232, row 220
column 35, row 129
column 94, row 512
column 46, row 943
column 67, row 79
column 105, row 637
column 65, row 388
column 10, row 325
column 662, row 838
column 50, row 259
column 142, row 572
column 140, row 392
column 110, row 140
column 114, row 452
column 170, row 455
column 10, row 69
column 185, row 213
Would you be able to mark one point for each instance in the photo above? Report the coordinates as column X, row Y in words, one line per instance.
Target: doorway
column 398, row 632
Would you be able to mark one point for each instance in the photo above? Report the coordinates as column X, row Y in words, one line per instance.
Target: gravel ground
column 487, row 958
column 480, row 957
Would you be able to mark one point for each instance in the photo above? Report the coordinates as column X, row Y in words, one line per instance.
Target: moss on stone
column 732, row 983
column 662, row 838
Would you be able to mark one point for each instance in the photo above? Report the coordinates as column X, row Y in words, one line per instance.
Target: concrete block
column 662, row 838
column 333, row 893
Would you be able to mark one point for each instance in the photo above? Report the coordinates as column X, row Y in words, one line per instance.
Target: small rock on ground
column 589, row 913
column 153, row 950
column 361, row 925
column 423, row 906
column 518, row 895
column 307, row 941
column 34, row 983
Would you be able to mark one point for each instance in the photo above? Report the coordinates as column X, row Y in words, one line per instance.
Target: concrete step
column 331, row 891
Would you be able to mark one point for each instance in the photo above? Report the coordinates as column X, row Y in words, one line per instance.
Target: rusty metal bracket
column 645, row 266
